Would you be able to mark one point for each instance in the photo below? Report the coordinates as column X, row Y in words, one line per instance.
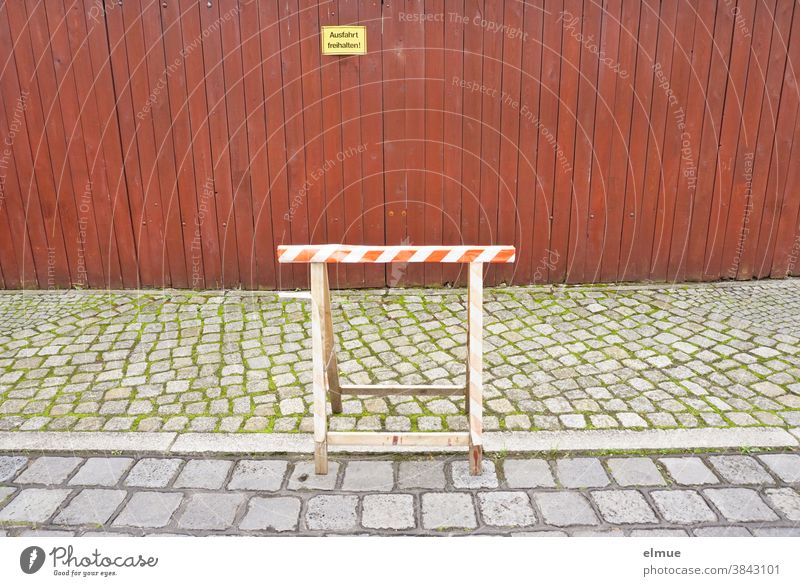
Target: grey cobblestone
column 368, row 475
column 258, row 475
column 635, row 472
column 740, row 470
column 210, row 511
column 153, row 472
column 272, row 513
column 101, row 471
column 203, row 474
column 442, row 510
column 733, row 349
column 390, row 511
column 581, row 473
column 421, row 474
column 564, row 509
column 149, row 509
column 506, row 509
column 528, row 473
column 689, row 470
column 48, row 470
column 332, row 513
column 33, row 505
column 740, row 504
column 623, row 506
column 91, row 505
column 682, row 506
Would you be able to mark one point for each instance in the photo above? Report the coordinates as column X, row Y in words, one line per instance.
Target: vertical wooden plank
column 258, row 161
column 333, row 77
column 46, row 139
column 619, row 165
column 604, row 131
column 527, row 186
column 272, row 74
column 237, row 142
column 295, row 138
column 677, row 87
column 28, row 215
column 721, row 23
column 660, row 117
column 74, row 42
column 224, row 191
column 780, row 245
column 475, row 366
column 563, row 194
column 370, row 71
column 737, row 228
column 472, row 128
column 309, row 42
column 690, row 141
column 435, row 84
column 205, row 223
column 146, row 236
column 158, row 105
column 318, row 368
column 764, row 156
column 184, row 194
column 509, row 131
column 352, row 196
column 453, row 106
column 588, row 26
column 414, row 72
column 639, row 134
column 394, row 120
column 729, row 135
column 13, row 251
column 490, row 120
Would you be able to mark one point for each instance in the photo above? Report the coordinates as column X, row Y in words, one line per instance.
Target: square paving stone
column 33, row 505
column 581, row 473
column 565, row 508
column 421, row 474
column 623, row 506
column 276, row 513
column 149, row 509
column 506, row 509
column 682, row 506
column 785, row 466
column 258, row 475
column 786, row 500
column 740, row 470
column 209, row 511
column 452, row 510
column 727, row 531
column 203, row 474
column 332, row 512
column 304, row 478
column 48, row 470
column 153, row 472
column 101, row 471
column 690, row 471
column 740, row 504
column 10, row 465
column 92, row 505
column 532, row 473
column 659, row 533
column 635, row 472
column 388, row 511
column 463, row 479
column 368, row 475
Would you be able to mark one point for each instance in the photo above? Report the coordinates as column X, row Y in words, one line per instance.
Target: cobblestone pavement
column 561, row 358
column 701, row 495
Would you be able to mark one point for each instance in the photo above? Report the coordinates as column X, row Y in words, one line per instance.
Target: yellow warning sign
column 344, row 40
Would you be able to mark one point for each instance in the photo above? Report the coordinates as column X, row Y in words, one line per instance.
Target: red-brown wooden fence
column 177, row 143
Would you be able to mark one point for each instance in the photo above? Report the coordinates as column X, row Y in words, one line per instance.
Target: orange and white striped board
column 343, row 253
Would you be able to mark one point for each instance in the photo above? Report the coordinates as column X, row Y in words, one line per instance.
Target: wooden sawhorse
column 325, row 372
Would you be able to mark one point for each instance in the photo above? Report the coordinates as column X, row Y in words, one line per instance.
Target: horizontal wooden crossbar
column 356, row 438
column 425, row 390
column 343, row 253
